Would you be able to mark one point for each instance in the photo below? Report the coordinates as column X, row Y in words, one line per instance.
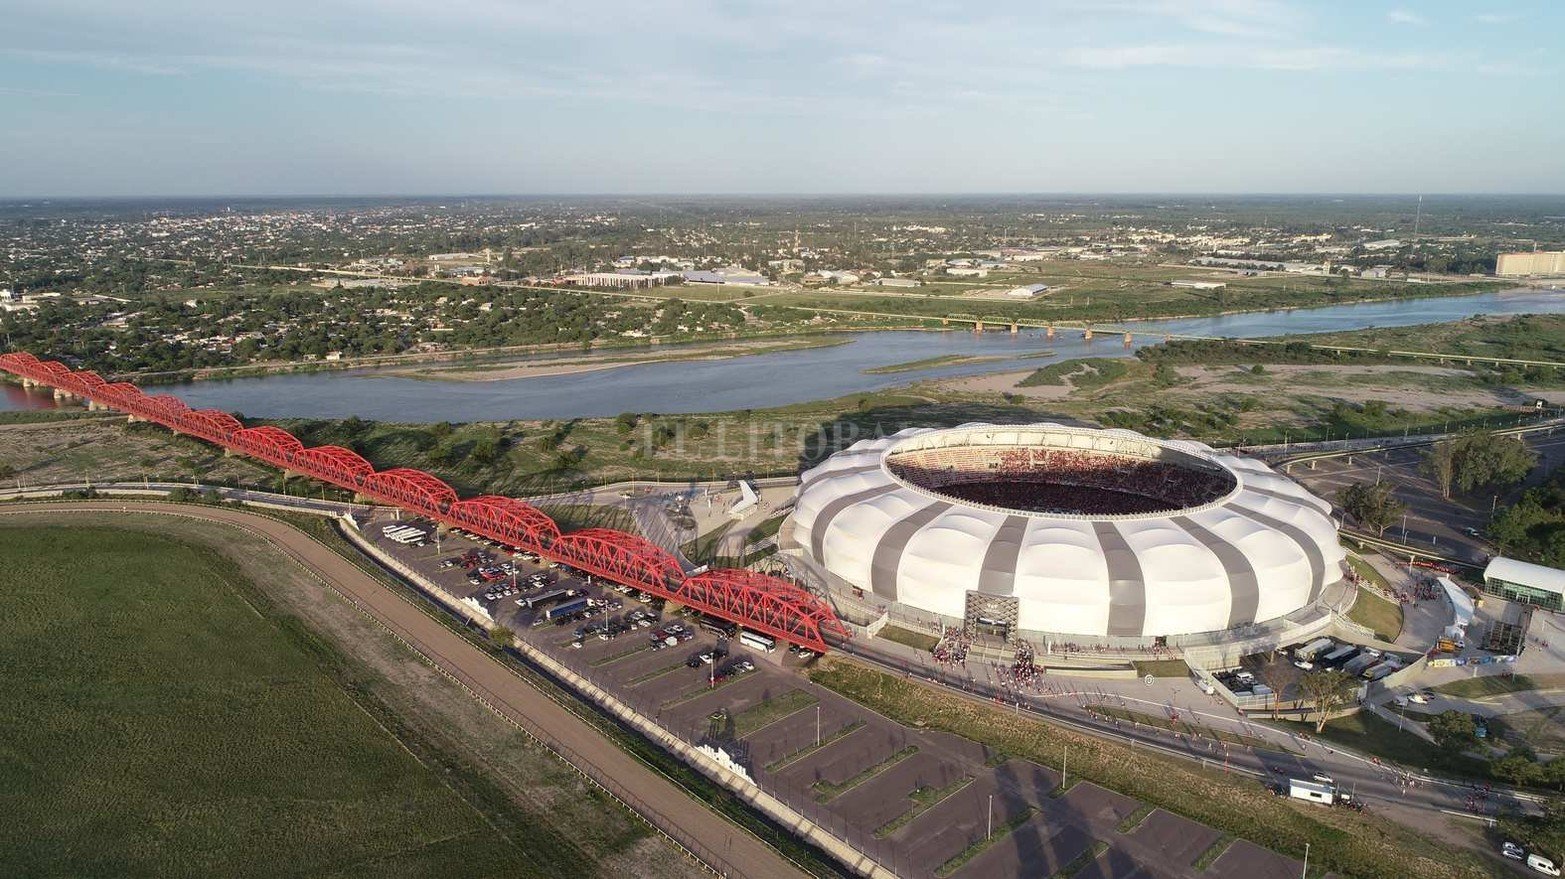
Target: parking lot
column 921, row 803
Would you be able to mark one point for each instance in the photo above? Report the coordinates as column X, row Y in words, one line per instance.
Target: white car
column 1421, row 698
column 1513, row 851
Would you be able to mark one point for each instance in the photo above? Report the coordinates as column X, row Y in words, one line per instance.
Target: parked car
column 1513, row 851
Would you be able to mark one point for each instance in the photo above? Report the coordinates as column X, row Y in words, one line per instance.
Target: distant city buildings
column 620, row 280
column 1538, row 262
column 726, row 275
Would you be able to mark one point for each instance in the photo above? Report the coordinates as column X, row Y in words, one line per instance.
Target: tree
column 1481, row 458
column 1519, row 769
column 1373, row 504
column 1454, row 731
column 502, row 636
column 1326, row 690
column 7, row 471
column 1440, row 464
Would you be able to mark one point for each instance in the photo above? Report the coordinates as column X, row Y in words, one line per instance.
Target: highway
column 718, row 843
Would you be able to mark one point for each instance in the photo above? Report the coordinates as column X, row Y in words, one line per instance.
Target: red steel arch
column 334, row 464
column 214, row 424
column 90, row 381
column 268, row 443
column 507, row 520
column 763, row 603
column 415, row 488
column 618, row 556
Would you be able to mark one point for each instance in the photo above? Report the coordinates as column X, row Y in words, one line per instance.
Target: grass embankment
column 916, row 640
column 158, row 708
column 1368, row 734
column 930, row 363
column 1353, row 844
column 1162, row 668
column 1373, row 612
column 1499, row 685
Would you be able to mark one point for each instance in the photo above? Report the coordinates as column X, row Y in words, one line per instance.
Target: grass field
column 1496, row 685
column 1348, row 843
column 1373, row 612
column 162, row 717
column 1368, row 734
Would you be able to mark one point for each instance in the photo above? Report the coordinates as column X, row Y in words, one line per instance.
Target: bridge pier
column 945, row 321
column 1049, row 332
column 1127, row 340
column 1014, row 328
column 1086, row 334
column 978, row 326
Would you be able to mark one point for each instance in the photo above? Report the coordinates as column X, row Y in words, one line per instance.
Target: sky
column 364, row 97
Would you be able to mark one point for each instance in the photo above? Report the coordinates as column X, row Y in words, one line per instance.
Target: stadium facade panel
column 1067, row 530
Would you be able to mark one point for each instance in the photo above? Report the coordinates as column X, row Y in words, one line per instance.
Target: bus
column 720, row 628
column 756, row 641
column 561, row 612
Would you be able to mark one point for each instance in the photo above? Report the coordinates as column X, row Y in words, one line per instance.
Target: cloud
column 1495, row 17
column 1406, row 16
column 1299, row 58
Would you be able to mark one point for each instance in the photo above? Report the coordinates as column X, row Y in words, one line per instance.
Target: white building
column 967, row 272
column 896, row 282
column 1198, row 285
column 1028, row 291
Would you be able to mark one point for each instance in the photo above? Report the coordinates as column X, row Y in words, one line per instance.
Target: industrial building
column 1063, row 531
column 1028, row 291
column 1538, row 262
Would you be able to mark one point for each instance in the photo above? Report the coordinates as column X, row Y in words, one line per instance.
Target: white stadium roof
column 1260, row 549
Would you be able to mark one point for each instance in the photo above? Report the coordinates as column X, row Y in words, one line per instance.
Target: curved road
column 736, row 851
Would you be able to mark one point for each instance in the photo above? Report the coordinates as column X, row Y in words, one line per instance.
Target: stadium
column 1061, row 530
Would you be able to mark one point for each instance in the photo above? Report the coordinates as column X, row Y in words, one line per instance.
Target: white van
column 1542, row 865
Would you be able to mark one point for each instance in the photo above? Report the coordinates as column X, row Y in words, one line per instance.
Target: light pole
column 1065, row 767
column 1306, row 873
column 989, row 831
column 817, row 724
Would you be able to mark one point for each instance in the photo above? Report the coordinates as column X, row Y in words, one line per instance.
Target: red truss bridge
column 758, row 602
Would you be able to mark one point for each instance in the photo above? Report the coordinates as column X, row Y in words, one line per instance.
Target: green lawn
column 158, row 719
column 1374, row 612
column 916, row 640
column 1368, row 734
column 1162, row 668
column 1496, row 685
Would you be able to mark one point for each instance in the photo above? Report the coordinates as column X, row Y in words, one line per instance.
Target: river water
column 776, row 379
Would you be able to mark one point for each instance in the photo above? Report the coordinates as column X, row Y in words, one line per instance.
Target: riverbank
column 502, row 371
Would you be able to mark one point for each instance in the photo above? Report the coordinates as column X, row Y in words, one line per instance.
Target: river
column 777, row 379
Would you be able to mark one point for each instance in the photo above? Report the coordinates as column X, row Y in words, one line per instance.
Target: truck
column 560, row 612
column 543, row 598
column 1361, row 662
column 1309, row 651
column 1322, row 792
column 1341, row 654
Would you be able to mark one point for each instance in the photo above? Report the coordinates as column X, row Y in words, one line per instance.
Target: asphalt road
column 1433, row 522
column 743, row 854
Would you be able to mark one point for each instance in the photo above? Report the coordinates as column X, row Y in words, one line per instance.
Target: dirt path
column 655, row 797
